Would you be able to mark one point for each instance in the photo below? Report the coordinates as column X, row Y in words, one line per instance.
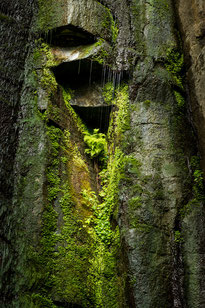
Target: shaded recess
column 69, row 36
column 79, row 73
column 95, row 117
column 66, row 305
column 85, row 78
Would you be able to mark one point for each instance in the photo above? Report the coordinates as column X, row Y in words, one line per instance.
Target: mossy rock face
column 101, row 213
column 89, row 15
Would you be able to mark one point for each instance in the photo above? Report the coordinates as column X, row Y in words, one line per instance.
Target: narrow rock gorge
column 102, row 151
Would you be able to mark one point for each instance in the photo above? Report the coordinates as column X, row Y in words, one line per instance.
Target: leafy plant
column 97, row 144
column 178, row 237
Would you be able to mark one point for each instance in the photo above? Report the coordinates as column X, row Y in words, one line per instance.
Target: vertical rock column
column 15, row 19
column 191, row 22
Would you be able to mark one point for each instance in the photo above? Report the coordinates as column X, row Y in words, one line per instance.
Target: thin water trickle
column 104, row 75
column 91, row 68
column 79, row 64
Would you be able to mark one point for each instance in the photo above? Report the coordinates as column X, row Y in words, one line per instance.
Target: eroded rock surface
column 191, row 15
column 107, row 205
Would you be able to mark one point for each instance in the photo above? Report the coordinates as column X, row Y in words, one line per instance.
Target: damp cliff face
column 15, row 19
column 191, row 20
column 107, row 192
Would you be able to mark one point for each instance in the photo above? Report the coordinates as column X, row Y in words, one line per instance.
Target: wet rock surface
column 59, row 250
column 191, row 16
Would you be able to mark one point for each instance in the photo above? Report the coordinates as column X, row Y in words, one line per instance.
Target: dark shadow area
column 69, row 36
column 77, row 73
column 95, row 117
column 84, row 72
column 66, row 305
column 86, row 78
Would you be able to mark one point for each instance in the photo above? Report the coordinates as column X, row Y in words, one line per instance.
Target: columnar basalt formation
column 103, row 205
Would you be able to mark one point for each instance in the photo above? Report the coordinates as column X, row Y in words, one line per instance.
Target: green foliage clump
column 109, row 23
column 102, row 53
column 108, row 93
column 180, row 99
column 175, row 65
column 110, row 180
column 197, row 186
column 43, row 57
column 49, row 14
column 97, row 144
column 178, row 237
column 122, row 120
column 42, row 301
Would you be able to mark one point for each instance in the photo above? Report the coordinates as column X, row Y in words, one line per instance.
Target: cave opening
column 69, row 36
column 78, row 74
column 85, row 80
column 95, row 117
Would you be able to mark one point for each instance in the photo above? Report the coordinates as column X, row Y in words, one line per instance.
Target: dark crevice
column 53, row 123
column 69, row 36
column 86, row 79
column 178, row 268
column 95, row 117
column 66, row 305
column 86, row 72
column 77, row 73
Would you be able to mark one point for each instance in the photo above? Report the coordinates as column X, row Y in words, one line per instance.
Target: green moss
column 47, row 80
column 198, row 195
column 178, row 237
column 50, row 15
column 97, row 145
column 109, row 23
column 76, row 260
column 102, row 54
column 67, row 95
column 175, row 65
column 6, row 18
column 147, row 104
column 139, row 19
column 108, row 93
column 41, row 301
column 179, row 99
column 65, row 248
column 121, row 118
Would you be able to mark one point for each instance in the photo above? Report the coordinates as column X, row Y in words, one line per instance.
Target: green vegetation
column 179, row 99
column 108, row 93
column 76, row 258
column 197, row 187
column 109, row 23
column 97, row 145
column 49, row 14
column 102, row 54
column 175, row 65
column 178, row 237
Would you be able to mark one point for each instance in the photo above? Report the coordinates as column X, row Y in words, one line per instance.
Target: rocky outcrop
column 191, row 21
column 15, row 19
column 105, row 174
column 191, row 17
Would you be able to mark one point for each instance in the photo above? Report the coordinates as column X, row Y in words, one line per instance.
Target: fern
column 96, row 142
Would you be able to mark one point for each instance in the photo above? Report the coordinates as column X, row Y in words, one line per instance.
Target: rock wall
column 192, row 28
column 191, row 23
column 106, row 189
column 15, row 19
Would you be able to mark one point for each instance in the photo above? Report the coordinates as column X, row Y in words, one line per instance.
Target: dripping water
column 90, row 75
